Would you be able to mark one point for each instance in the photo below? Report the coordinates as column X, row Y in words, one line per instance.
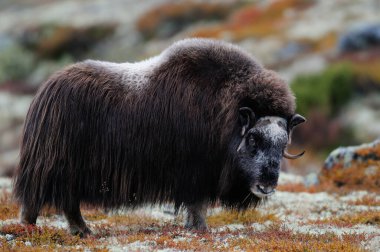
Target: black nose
column 269, row 177
column 270, row 173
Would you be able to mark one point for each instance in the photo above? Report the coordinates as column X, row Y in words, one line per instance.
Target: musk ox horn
column 294, row 121
column 247, row 119
column 291, row 156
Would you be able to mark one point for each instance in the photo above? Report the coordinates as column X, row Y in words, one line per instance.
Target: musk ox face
column 262, row 146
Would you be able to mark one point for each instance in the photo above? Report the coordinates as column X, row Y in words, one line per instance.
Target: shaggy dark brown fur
column 91, row 137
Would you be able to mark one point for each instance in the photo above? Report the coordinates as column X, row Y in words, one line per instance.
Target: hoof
column 81, row 232
column 197, row 227
column 26, row 222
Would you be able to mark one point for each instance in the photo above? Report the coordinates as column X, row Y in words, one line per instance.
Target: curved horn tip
column 297, row 119
column 291, row 156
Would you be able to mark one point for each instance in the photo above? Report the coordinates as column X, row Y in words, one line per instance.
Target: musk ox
column 201, row 122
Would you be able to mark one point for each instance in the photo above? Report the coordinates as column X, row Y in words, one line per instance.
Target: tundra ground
column 294, row 219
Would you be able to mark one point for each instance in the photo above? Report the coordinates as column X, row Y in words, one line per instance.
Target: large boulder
column 356, row 167
column 361, row 38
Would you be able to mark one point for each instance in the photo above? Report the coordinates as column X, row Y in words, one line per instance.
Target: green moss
column 53, row 41
column 15, row 63
column 327, row 91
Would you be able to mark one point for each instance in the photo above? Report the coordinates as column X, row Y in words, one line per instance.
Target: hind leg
column 77, row 226
column 28, row 215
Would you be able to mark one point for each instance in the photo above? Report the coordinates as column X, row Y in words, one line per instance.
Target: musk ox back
column 202, row 122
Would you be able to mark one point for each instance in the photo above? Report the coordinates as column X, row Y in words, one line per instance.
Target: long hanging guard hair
column 116, row 135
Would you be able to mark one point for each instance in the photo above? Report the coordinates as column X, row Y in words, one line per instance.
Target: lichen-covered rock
column 360, row 38
column 348, row 155
column 354, row 167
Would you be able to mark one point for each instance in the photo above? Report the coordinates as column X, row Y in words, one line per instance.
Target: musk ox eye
column 282, row 124
column 251, row 141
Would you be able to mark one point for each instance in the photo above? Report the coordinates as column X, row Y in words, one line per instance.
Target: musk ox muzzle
column 202, row 122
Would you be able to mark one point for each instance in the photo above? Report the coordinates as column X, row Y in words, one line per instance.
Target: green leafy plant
column 327, row 91
column 15, row 63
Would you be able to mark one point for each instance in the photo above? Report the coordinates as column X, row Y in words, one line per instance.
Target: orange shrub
column 175, row 16
column 253, row 21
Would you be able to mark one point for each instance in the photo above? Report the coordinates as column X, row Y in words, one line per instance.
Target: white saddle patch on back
column 134, row 75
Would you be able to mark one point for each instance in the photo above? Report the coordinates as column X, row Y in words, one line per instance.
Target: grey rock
column 346, row 155
column 361, row 38
column 9, row 237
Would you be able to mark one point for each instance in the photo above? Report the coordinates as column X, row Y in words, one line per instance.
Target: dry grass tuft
column 234, row 217
column 369, row 218
column 43, row 238
column 298, row 187
column 94, row 215
column 349, row 220
column 40, row 235
column 354, row 177
column 133, row 220
column 368, row 200
column 278, row 238
column 8, row 208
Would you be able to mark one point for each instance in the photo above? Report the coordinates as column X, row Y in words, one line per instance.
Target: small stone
column 9, row 237
column 28, row 243
column 203, row 240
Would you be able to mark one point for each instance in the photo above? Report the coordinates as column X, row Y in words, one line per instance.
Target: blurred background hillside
column 328, row 51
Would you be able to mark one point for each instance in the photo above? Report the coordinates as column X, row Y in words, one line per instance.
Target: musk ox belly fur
column 161, row 130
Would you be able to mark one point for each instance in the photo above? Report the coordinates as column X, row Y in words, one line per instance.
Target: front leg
column 196, row 216
column 77, row 225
